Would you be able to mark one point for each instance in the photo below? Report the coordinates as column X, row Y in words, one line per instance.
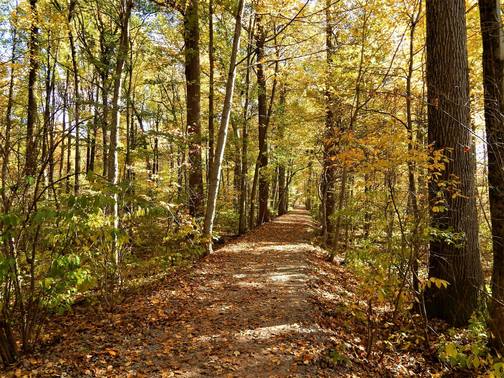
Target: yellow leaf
column 451, row 350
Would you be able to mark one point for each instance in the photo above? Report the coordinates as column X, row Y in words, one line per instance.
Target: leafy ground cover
column 266, row 304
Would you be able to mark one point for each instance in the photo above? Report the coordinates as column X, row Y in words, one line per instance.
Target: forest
column 243, row 188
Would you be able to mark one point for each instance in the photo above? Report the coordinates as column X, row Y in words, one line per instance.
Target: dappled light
column 251, row 188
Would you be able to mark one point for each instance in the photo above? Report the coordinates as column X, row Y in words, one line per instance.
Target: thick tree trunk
column 452, row 211
column 493, row 79
column 193, row 107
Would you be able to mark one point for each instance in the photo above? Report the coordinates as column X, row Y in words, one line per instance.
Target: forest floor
column 265, row 305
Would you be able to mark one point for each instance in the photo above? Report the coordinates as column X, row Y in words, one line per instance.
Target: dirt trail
column 245, row 311
column 257, row 305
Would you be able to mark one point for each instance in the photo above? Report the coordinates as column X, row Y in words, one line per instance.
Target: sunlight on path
column 247, row 310
column 252, row 314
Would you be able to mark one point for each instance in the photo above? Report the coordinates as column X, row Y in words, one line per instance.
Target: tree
column 262, row 159
column 454, row 248
column 493, row 81
column 193, row 106
column 211, row 90
column 33, row 50
column 242, row 200
column 215, row 172
column 329, row 170
column 113, row 170
column 283, row 185
column 75, row 69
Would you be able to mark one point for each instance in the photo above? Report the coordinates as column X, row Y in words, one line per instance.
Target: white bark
column 213, row 186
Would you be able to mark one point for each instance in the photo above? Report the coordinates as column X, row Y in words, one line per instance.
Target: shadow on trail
column 244, row 311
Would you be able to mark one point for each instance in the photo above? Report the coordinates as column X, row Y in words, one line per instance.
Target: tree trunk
column 493, row 80
column 75, row 69
column 263, row 215
column 236, row 162
column 242, row 227
column 104, row 125
column 92, row 147
column 31, row 119
column 222, row 137
column 129, row 122
column 413, row 207
column 7, row 342
column 69, row 142
column 113, row 170
column 282, row 179
column 47, row 108
column 253, row 195
column 449, row 130
column 192, row 74
column 64, row 127
column 329, row 168
column 211, row 131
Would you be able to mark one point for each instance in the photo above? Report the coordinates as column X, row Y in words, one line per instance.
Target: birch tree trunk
column 213, row 186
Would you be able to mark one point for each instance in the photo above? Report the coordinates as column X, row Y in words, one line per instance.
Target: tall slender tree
column 33, row 61
column 76, row 114
column 193, row 106
column 216, row 170
column 328, row 179
column 113, row 170
column 211, row 91
column 262, row 160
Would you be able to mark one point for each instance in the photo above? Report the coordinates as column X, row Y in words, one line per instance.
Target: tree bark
column 211, row 131
column 193, row 107
column 113, row 170
column 413, row 207
column 263, row 180
column 213, row 186
column 449, row 130
column 493, row 80
column 242, row 227
column 329, row 168
column 7, row 342
column 75, row 69
column 282, row 179
column 33, row 50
